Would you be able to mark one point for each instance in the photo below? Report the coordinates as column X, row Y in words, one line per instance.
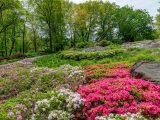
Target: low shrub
column 127, row 116
column 33, row 85
column 61, row 105
column 118, row 93
column 103, row 70
column 22, row 76
column 84, row 44
column 104, row 43
column 90, row 55
column 52, row 105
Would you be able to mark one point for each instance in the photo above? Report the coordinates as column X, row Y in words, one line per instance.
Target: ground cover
column 117, row 92
column 100, row 89
column 129, row 55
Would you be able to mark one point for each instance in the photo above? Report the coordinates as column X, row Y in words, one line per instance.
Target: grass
column 130, row 56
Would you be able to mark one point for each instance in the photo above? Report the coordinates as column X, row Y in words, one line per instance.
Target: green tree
column 51, row 13
column 106, row 21
column 134, row 24
column 158, row 24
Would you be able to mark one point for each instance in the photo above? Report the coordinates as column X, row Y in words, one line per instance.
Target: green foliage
column 104, row 43
column 58, row 24
column 89, row 55
column 53, row 61
column 134, row 24
column 26, row 99
column 130, row 56
column 31, row 84
column 85, row 44
column 158, row 24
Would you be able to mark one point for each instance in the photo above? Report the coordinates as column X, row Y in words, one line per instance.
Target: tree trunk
column 35, row 40
column 13, row 39
column 2, row 48
column 5, row 42
column 50, row 36
column 24, row 31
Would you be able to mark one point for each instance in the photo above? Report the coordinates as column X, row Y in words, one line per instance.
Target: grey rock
column 143, row 44
column 94, row 49
column 146, row 70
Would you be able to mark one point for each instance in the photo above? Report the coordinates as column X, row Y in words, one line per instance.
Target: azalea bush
column 23, row 75
column 73, row 76
column 73, row 73
column 103, row 70
column 117, row 92
column 29, row 84
column 95, row 71
column 127, row 116
column 22, row 106
column 61, row 105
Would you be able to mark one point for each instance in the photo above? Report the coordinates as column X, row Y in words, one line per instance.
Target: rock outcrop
column 147, row 70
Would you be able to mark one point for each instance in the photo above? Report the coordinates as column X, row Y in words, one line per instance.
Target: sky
column 150, row 5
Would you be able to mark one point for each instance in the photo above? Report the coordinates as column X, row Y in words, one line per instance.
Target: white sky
column 150, row 5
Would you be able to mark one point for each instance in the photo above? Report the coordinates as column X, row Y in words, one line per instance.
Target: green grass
column 130, row 56
column 53, row 61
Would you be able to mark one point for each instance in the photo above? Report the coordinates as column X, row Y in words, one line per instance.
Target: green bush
column 104, row 43
column 89, row 55
column 84, row 44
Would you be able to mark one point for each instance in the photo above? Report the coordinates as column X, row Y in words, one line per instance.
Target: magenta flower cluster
column 120, row 94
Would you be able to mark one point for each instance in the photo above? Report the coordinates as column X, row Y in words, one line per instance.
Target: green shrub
column 104, row 43
column 84, row 44
column 89, row 55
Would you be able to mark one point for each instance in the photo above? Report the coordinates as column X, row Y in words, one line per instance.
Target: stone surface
column 143, row 44
column 94, row 49
column 147, row 70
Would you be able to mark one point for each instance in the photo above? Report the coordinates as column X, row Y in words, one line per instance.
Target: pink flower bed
column 120, row 94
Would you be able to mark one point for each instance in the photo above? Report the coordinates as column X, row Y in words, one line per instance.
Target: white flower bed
column 73, row 73
column 62, row 104
column 128, row 116
column 59, row 115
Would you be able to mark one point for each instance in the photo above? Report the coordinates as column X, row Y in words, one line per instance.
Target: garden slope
column 100, row 89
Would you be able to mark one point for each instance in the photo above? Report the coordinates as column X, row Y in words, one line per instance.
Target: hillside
column 90, row 83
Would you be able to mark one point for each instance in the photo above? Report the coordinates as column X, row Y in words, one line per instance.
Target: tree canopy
column 49, row 25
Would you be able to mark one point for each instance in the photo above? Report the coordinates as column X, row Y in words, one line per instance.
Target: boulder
column 146, row 70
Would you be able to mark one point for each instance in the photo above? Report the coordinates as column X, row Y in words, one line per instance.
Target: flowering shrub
column 62, row 104
column 74, row 76
column 117, row 92
column 71, row 72
column 20, row 110
column 102, row 70
column 111, row 93
column 95, row 71
column 127, row 116
column 59, row 115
